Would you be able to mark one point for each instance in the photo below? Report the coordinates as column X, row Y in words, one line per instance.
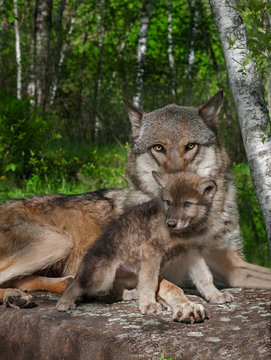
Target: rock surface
column 98, row 330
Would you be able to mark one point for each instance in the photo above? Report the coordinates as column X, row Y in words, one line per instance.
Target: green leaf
column 245, row 62
column 11, row 167
column 268, row 129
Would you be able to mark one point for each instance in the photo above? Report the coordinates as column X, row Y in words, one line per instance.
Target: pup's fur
column 53, row 232
column 146, row 238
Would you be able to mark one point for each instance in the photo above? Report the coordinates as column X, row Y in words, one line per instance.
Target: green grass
column 80, row 168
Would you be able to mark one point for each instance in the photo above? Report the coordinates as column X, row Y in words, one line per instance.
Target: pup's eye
column 158, row 147
column 187, row 204
column 190, row 146
column 168, row 202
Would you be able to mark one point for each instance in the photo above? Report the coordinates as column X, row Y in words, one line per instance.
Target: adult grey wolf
column 143, row 240
column 48, row 235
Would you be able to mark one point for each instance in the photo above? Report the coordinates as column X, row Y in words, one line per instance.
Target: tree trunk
column 267, row 28
column 61, row 56
column 170, row 51
column 194, row 8
column 43, row 13
column 18, row 51
column 249, row 101
column 97, row 90
column 142, row 50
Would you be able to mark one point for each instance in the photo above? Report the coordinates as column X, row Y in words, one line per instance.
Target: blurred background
column 65, row 66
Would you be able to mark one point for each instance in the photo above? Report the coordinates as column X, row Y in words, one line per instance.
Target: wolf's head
column 187, row 200
column 173, row 138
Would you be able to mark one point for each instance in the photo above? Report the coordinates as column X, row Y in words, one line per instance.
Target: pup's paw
column 64, row 305
column 221, row 297
column 189, row 313
column 150, row 308
column 129, row 294
column 16, row 299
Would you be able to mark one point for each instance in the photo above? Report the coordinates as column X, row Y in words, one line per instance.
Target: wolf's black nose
column 171, row 223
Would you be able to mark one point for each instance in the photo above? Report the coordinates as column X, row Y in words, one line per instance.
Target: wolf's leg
column 15, row 293
column 148, row 282
column 15, row 298
column 53, row 246
column 228, row 266
column 49, row 247
column 90, row 280
column 203, row 279
column 42, row 283
column 183, row 309
column 71, row 294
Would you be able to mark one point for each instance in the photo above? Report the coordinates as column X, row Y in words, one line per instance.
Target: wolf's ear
column 159, row 178
column 208, row 188
column 135, row 116
column 210, row 110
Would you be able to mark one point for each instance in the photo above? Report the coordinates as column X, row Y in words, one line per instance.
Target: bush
column 24, row 136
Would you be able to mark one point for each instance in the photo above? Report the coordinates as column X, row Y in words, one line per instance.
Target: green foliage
column 252, row 225
column 256, row 16
column 80, row 168
column 24, row 135
column 163, row 356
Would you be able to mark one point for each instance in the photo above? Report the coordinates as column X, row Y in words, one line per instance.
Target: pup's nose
column 171, row 223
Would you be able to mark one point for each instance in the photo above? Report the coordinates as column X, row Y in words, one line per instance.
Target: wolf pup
column 145, row 238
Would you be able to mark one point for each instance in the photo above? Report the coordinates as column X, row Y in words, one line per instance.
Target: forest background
column 65, row 66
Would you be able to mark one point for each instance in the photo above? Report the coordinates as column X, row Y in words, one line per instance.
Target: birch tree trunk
column 170, row 51
column 194, row 7
column 18, row 51
column 267, row 28
column 142, row 51
column 249, row 101
column 63, row 49
column 97, row 90
column 43, row 12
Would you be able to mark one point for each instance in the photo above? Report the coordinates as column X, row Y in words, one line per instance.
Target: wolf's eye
column 187, row 204
column 190, row 146
column 158, row 147
column 168, row 202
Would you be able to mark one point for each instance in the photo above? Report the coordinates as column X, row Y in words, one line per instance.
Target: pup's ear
column 208, row 188
column 135, row 116
column 210, row 110
column 159, row 178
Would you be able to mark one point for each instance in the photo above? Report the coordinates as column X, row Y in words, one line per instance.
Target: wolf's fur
column 146, row 237
column 45, row 235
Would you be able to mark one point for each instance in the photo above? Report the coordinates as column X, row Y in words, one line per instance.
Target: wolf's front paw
column 221, row 297
column 189, row 313
column 16, row 298
column 64, row 305
column 150, row 308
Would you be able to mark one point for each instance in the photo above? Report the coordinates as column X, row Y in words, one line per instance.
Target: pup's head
column 187, row 200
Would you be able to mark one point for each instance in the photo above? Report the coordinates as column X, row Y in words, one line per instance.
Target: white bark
column 194, row 6
column 268, row 55
column 142, row 51
column 249, row 101
column 60, row 62
column 170, row 50
column 18, row 51
column 101, row 34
